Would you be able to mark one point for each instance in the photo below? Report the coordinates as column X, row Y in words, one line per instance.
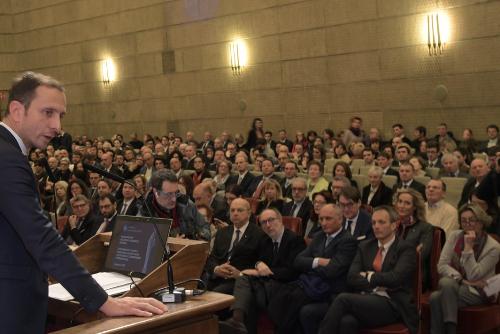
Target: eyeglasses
column 268, row 221
column 168, row 195
column 346, row 205
column 78, row 206
column 470, row 221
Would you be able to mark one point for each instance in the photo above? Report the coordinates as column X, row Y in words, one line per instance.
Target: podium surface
column 196, row 315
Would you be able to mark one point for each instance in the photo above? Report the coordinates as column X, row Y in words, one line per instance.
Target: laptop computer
column 134, row 251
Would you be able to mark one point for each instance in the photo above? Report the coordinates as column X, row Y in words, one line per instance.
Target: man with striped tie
column 382, row 277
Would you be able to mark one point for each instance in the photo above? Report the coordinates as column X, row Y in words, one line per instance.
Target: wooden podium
column 188, row 260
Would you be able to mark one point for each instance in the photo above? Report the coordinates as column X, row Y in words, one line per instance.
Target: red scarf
column 163, row 213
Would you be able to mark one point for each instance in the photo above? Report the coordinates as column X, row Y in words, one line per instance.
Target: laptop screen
column 135, row 244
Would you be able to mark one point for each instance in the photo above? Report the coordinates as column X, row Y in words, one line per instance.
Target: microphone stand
column 172, row 296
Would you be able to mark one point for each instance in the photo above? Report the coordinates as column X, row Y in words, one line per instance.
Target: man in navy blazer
column 324, row 265
column 30, row 247
column 382, row 276
column 356, row 221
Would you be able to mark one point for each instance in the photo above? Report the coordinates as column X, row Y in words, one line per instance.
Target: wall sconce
column 108, row 71
column 238, row 56
column 437, row 33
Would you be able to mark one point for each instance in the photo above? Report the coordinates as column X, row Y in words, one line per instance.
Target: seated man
column 406, row 179
column 83, row 224
column 301, row 205
column 204, row 193
column 275, row 266
column 382, row 275
column 356, row 220
column 165, row 201
column 236, row 248
column 450, row 167
column 438, row 212
column 323, row 264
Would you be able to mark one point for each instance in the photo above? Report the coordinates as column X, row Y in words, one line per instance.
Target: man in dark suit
column 274, row 267
column 301, row 206
column 107, row 164
column 478, row 170
column 324, row 265
column 384, row 161
column 30, row 247
column 284, row 140
column 356, row 221
column 433, row 160
column 450, row 167
column 107, row 208
column 291, row 171
column 376, row 193
column 204, row 194
column 83, row 223
column 267, row 173
column 406, row 174
column 382, row 275
column 236, row 248
column 128, row 205
column 243, row 178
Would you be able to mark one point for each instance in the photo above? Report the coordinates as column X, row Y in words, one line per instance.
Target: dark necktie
column 236, row 240
column 348, row 225
column 276, row 246
column 124, row 209
column 292, row 212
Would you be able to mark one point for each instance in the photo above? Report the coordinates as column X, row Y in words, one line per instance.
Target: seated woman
column 340, row 152
column 271, row 197
column 341, row 168
column 418, row 165
column 223, row 170
column 413, row 227
column 319, row 200
column 468, row 259
column 315, row 181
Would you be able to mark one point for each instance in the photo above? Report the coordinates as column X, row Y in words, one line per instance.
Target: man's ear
column 16, row 111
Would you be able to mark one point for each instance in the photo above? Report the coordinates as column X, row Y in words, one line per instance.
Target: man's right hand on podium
column 141, row 307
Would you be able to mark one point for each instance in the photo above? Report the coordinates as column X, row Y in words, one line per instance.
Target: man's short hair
column 393, row 215
column 161, row 176
column 278, row 214
column 111, row 198
column 443, row 185
column 24, row 87
column 398, row 125
column 421, row 129
column 406, row 163
column 404, row 145
column 343, row 179
column 492, row 126
column 351, row 193
column 433, row 144
column 447, row 156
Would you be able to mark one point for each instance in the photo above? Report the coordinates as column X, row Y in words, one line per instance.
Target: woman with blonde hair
column 271, row 196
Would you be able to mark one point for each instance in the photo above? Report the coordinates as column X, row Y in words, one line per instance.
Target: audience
column 93, row 202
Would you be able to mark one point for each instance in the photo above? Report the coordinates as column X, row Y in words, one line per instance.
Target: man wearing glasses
column 82, row 224
column 274, row 267
column 301, row 206
column 165, row 201
column 356, row 221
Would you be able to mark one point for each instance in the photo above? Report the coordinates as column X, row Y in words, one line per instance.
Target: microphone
column 104, row 173
column 49, row 172
column 171, row 296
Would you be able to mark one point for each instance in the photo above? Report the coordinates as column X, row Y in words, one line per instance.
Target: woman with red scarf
column 468, row 259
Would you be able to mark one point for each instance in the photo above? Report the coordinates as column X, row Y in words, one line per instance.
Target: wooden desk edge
column 211, row 302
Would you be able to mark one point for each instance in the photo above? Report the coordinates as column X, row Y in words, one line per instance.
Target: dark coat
column 383, row 196
column 30, row 249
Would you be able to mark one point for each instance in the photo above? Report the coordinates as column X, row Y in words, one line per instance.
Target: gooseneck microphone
column 166, row 250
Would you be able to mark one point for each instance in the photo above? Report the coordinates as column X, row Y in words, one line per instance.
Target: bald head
column 239, row 212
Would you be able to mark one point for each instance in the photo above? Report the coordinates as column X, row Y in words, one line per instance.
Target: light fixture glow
column 238, row 56
column 436, row 32
column 108, row 71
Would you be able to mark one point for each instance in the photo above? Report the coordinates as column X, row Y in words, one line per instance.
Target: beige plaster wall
column 312, row 63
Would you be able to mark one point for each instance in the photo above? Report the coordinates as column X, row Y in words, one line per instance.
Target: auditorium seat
column 390, row 180
column 433, row 172
column 422, row 179
column 454, row 188
column 329, row 163
column 293, row 223
column 363, row 170
column 400, row 328
column 361, row 180
column 356, row 164
column 471, row 319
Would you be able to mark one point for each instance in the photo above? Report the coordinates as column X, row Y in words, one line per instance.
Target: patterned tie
column 377, row 262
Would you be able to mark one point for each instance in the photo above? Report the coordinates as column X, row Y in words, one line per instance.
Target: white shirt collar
column 18, row 139
column 387, row 244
